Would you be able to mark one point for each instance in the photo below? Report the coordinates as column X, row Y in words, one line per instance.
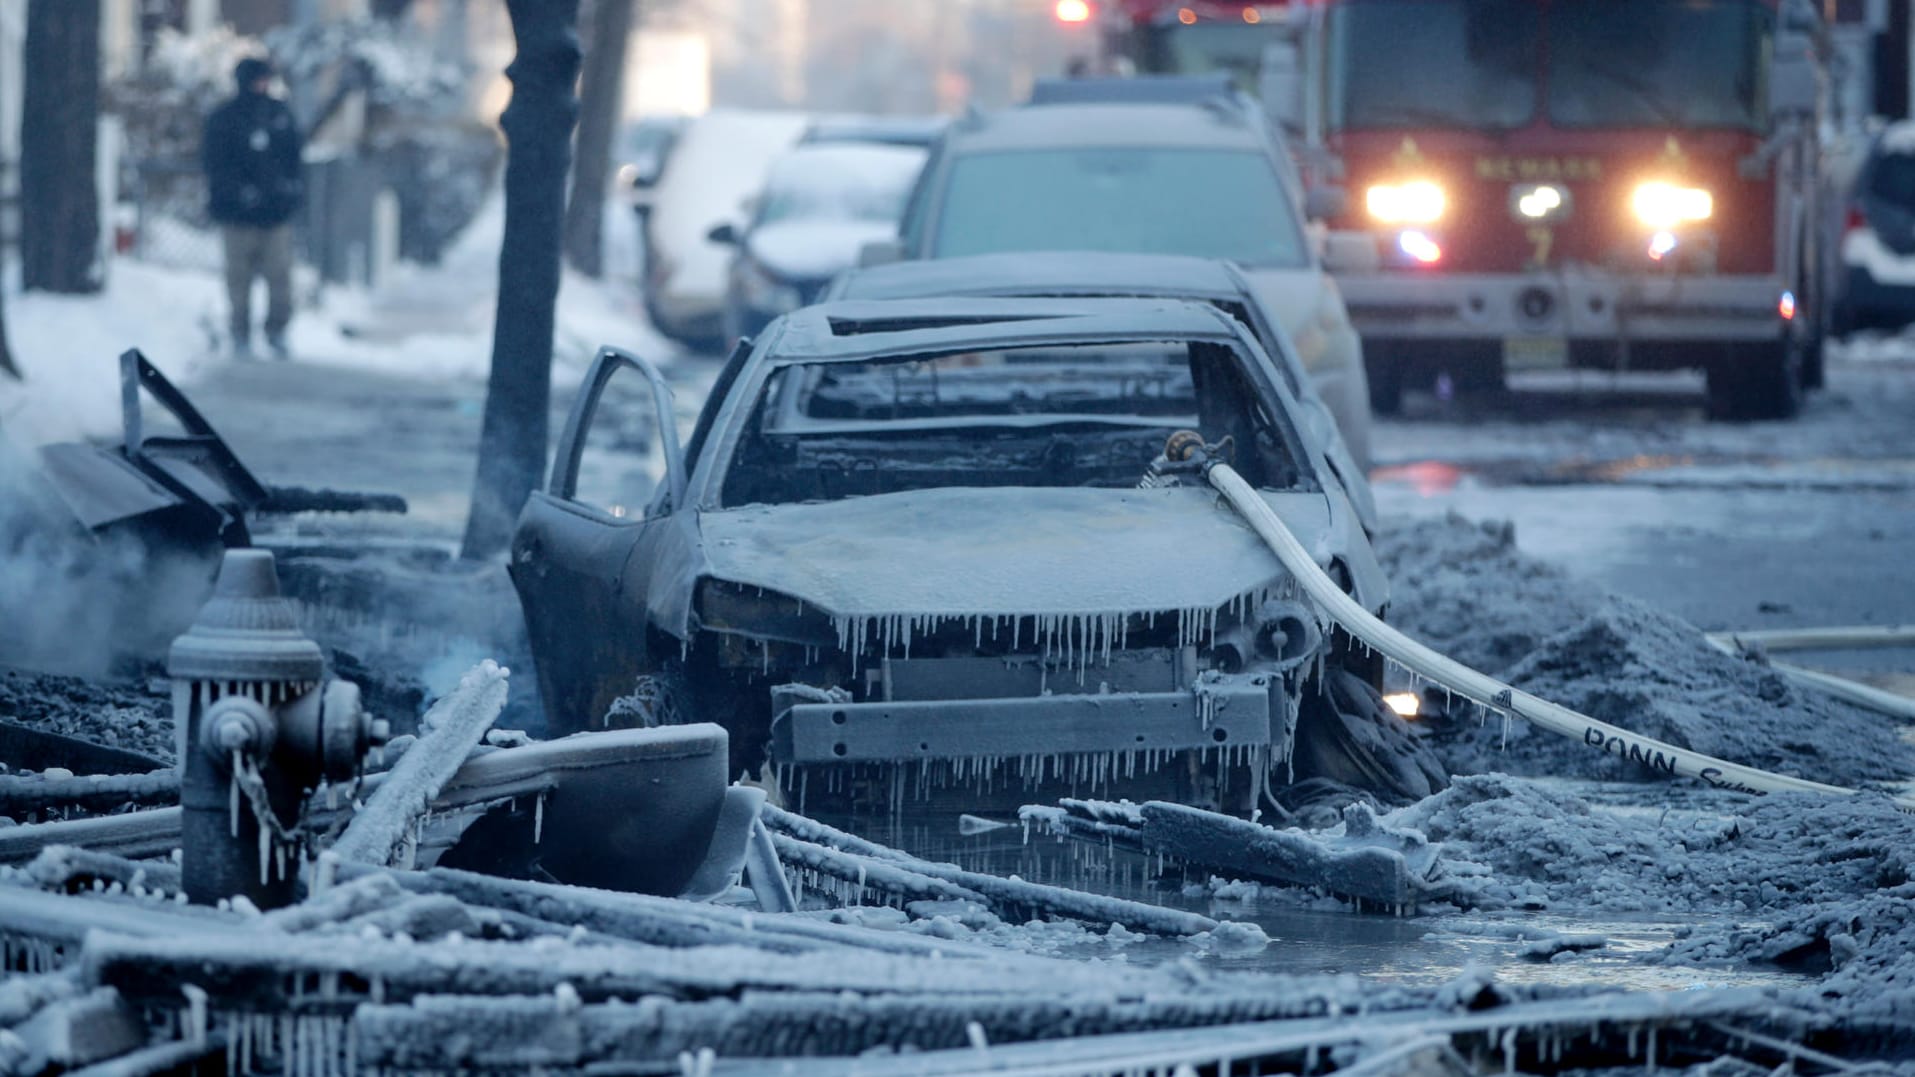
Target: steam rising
column 76, row 602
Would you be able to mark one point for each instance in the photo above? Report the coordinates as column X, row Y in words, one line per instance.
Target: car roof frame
column 1183, row 322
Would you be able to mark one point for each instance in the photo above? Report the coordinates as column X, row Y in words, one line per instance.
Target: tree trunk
column 59, row 148
column 7, row 366
column 602, row 97
column 538, row 129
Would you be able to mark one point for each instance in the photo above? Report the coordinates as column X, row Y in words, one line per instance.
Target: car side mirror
column 1325, row 203
column 571, row 447
column 881, row 252
column 725, row 235
column 1351, row 252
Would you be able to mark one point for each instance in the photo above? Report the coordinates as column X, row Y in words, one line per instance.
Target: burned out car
column 913, row 532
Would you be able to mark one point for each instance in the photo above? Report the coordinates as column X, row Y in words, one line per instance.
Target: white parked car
column 823, row 202
column 716, row 168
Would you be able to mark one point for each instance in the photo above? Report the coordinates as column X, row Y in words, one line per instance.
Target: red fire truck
column 1609, row 184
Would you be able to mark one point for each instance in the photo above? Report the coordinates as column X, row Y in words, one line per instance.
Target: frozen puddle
column 1320, row 935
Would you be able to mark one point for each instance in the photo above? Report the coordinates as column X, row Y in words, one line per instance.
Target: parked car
column 1335, row 399
column 717, row 165
column 910, row 534
column 644, row 149
column 1877, row 289
column 1198, row 179
column 920, row 132
column 821, row 204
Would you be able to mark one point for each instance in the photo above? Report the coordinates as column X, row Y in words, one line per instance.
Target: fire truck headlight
column 1664, row 205
column 1415, row 202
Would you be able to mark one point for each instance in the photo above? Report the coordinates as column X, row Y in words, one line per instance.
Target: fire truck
column 1602, row 184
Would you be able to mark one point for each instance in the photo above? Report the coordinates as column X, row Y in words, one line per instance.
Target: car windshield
column 1084, row 415
column 1225, row 204
column 840, row 182
column 1434, row 63
column 1610, row 63
column 1891, row 178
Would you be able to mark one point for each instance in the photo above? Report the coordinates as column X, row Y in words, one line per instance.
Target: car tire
column 1757, row 381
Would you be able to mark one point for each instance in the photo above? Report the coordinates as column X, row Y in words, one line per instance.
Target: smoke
column 77, row 602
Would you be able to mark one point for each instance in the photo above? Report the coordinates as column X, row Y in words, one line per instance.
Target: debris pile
column 445, row 970
column 1465, row 590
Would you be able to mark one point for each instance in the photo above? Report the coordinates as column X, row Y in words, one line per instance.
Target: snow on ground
column 68, row 347
column 432, row 322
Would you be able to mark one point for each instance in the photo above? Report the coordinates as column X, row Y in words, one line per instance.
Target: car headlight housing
column 1412, row 202
column 1665, row 205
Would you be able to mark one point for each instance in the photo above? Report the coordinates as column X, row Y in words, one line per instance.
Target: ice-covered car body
column 913, row 531
column 1334, row 398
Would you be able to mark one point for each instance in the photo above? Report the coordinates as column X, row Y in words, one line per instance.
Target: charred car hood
column 959, row 552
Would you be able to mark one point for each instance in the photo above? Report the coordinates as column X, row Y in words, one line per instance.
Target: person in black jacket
column 251, row 153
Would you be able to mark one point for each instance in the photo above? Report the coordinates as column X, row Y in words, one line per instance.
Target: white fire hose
column 1461, row 680
column 1823, row 639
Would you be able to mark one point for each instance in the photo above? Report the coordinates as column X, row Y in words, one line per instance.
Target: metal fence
column 162, row 219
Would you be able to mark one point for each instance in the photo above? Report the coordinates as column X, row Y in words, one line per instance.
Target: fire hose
column 1768, row 641
column 1187, row 449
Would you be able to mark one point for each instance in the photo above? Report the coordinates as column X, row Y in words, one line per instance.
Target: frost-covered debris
column 1464, row 589
column 823, row 849
column 450, row 731
column 1359, row 859
column 50, row 795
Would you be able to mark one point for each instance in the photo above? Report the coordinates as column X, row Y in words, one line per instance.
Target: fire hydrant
column 258, row 726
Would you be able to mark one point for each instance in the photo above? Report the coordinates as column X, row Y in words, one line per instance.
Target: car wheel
column 1348, row 735
column 1757, row 381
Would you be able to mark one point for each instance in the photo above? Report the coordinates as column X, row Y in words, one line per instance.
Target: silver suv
column 1196, row 178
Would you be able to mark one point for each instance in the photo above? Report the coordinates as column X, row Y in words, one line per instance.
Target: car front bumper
column 1570, row 304
column 1228, row 712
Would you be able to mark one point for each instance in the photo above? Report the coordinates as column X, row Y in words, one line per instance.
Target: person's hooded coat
column 251, row 153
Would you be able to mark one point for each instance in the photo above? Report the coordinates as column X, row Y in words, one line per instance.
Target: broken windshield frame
column 779, row 399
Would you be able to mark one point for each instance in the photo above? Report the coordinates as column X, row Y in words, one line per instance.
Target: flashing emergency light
column 1415, row 202
column 1073, row 11
column 1664, row 205
column 1786, row 306
column 1419, row 247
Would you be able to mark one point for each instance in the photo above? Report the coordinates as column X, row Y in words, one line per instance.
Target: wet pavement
column 1318, row 934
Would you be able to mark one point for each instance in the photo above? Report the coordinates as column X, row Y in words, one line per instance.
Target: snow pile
column 68, row 348
column 1511, row 842
column 1465, row 589
column 436, row 321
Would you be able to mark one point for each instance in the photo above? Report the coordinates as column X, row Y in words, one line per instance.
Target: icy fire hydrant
column 257, row 726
